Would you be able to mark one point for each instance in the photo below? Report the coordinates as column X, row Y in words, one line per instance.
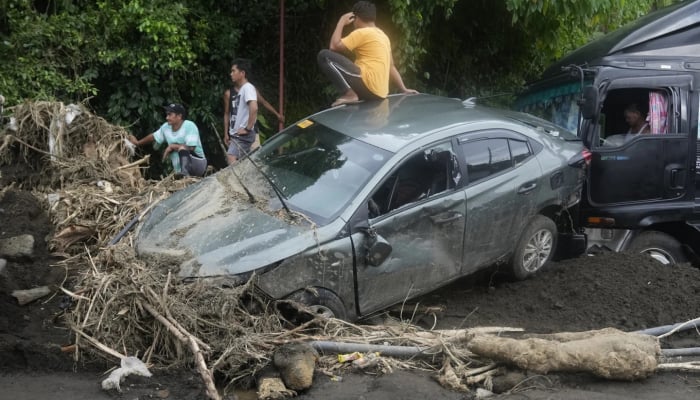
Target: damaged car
column 362, row 206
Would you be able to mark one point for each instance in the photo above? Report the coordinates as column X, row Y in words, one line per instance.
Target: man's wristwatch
column 248, row 129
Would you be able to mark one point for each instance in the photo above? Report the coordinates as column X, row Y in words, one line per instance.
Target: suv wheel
column 660, row 246
column 535, row 248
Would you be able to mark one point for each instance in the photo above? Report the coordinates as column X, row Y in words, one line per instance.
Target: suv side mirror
column 378, row 250
column 589, row 103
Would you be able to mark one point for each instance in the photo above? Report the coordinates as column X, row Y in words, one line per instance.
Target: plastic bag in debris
column 342, row 358
column 72, row 111
column 366, row 361
column 130, row 366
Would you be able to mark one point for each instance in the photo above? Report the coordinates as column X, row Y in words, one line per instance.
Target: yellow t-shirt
column 372, row 50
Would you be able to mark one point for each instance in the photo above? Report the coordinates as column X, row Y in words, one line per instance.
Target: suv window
column 486, row 157
column 519, row 150
column 422, row 175
column 489, row 156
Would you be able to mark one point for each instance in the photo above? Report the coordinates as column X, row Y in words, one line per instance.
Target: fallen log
column 200, row 363
column 692, row 366
column 608, row 353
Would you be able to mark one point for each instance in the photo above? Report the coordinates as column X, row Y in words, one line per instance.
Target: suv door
column 634, row 175
column 503, row 179
column 419, row 210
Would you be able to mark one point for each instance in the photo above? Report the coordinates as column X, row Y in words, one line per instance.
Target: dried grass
column 91, row 190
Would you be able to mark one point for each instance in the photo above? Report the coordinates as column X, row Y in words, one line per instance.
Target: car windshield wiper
column 250, row 195
column 276, row 189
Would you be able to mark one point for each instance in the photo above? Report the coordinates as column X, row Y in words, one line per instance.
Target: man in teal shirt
column 184, row 145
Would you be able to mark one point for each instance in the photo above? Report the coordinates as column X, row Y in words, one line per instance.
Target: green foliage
column 45, row 55
column 128, row 58
column 413, row 21
column 496, row 47
column 556, row 27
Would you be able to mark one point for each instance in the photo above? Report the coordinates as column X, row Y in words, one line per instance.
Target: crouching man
column 184, row 144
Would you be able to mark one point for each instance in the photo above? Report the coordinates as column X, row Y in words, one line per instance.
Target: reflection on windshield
column 318, row 170
column 557, row 104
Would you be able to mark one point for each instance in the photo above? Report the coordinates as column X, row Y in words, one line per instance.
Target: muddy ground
column 625, row 291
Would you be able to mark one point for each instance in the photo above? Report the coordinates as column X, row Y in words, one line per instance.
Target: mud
column 625, row 291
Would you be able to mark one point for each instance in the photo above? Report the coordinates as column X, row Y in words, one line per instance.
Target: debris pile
column 121, row 308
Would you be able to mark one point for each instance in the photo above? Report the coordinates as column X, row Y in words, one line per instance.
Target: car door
column 503, row 180
column 419, row 211
column 640, row 169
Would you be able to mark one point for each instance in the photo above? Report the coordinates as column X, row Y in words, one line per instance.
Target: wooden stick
column 687, row 366
column 679, row 327
column 99, row 345
column 206, row 374
column 35, row 148
column 135, row 163
column 477, row 371
column 176, row 324
column 481, row 377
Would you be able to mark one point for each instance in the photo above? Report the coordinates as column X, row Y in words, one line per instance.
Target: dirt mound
column 625, row 291
column 29, row 336
column 621, row 290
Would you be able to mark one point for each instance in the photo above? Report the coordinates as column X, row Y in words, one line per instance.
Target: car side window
column 422, row 175
column 486, row 157
column 519, row 150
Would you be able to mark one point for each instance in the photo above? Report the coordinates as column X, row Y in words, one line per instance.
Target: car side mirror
column 589, row 103
column 378, row 249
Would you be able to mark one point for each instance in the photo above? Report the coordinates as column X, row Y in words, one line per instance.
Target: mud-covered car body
column 361, row 206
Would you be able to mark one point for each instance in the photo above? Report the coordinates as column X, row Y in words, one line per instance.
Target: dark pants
column 344, row 74
column 192, row 165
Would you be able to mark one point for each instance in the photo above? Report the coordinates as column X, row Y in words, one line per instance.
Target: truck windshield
column 556, row 103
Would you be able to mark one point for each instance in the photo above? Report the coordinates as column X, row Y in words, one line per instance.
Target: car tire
column 321, row 302
column 660, row 246
column 536, row 247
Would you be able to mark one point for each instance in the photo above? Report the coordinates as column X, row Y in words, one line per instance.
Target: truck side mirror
column 589, row 103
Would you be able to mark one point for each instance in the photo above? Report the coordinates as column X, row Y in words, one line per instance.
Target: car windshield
column 557, row 104
column 317, row 170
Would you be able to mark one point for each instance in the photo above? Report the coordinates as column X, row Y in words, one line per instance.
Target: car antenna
column 277, row 191
column 470, row 102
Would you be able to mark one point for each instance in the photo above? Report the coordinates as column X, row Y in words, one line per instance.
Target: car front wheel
column 321, row 302
column 660, row 246
column 535, row 248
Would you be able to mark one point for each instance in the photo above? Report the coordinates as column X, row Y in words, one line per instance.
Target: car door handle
column 528, row 187
column 445, row 218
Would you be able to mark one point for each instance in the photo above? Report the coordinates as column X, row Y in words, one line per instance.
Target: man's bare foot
column 345, row 100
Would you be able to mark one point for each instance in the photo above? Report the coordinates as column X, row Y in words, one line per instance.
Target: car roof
column 398, row 120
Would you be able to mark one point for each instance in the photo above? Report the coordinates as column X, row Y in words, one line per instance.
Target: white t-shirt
column 241, row 111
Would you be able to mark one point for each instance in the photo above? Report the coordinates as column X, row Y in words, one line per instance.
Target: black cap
column 176, row 108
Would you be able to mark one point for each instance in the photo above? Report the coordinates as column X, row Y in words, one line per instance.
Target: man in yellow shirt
column 368, row 77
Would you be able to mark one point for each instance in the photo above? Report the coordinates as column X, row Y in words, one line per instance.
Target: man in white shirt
column 243, row 113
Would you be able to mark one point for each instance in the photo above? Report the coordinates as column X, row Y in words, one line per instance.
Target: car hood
column 214, row 228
